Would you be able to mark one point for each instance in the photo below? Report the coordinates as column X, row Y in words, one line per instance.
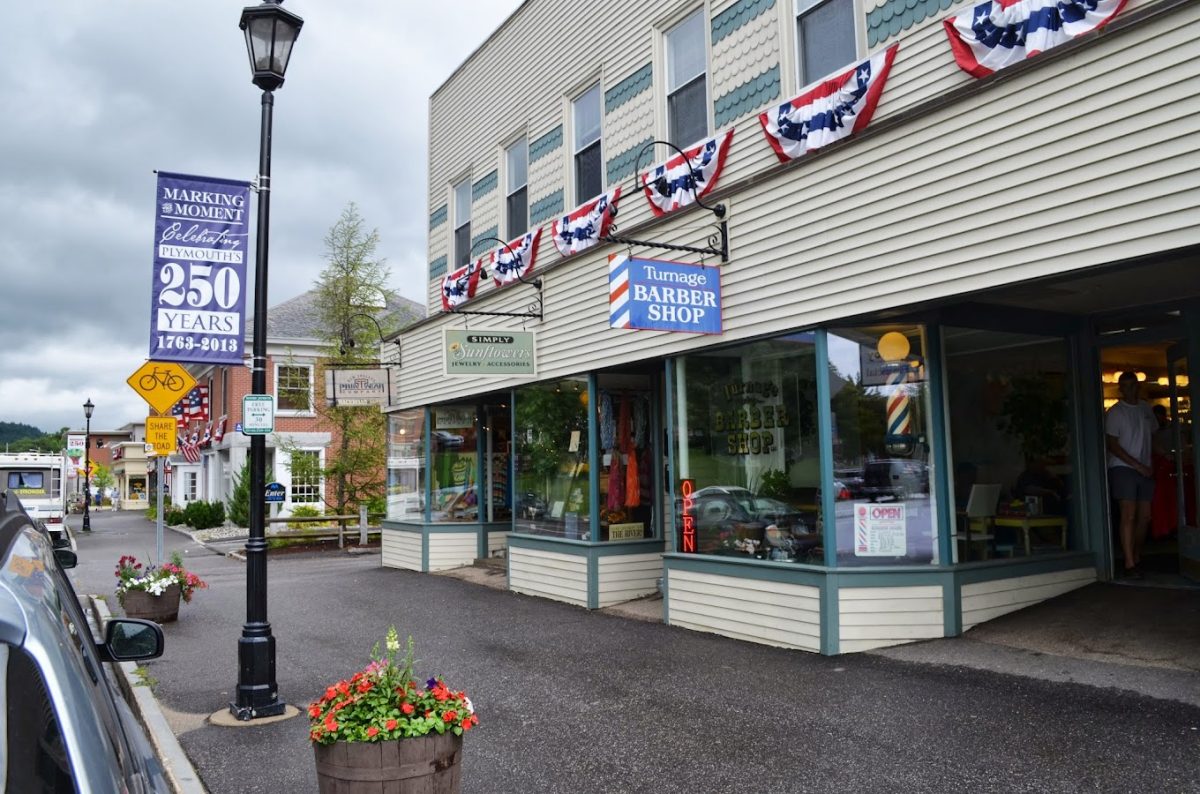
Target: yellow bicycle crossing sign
column 161, row 383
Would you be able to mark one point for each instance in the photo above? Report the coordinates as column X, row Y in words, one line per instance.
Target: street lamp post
column 270, row 33
column 87, row 465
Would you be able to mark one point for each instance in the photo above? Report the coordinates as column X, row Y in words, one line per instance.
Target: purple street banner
column 657, row 295
column 201, row 246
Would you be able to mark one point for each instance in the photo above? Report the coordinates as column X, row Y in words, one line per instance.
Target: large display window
column 1010, row 443
column 497, row 474
column 882, row 446
column 552, row 488
column 406, row 465
column 454, row 463
column 625, row 420
column 747, row 452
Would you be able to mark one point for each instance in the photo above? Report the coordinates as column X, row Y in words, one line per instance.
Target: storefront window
column 624, row 418
column 551, row 462
column 406, row 466
column 1010, row 443
column 455, row 464
column 747, row 452
column 882, row 445
column 498, row 462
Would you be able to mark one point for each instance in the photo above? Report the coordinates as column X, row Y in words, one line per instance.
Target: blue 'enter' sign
column 276, row 492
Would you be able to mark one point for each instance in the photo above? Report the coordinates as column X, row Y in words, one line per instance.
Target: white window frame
column 320, row 485
column 463, row 184
column 799, row 9
column 576, row 150
column 512, row 189
column 668, row 91
column 281, row 411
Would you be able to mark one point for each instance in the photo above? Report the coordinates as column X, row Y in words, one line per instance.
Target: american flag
column 190, row 451
column 195, row 404
column 177, row 412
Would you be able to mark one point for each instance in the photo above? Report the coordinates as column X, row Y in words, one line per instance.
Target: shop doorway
column 1170, row 546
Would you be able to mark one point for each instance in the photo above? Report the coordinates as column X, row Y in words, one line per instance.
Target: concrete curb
column 176, row 765
column 233, row 555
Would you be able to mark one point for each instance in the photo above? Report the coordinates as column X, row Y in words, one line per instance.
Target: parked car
column 67, row 729
column 444, row 439
column 894, row 478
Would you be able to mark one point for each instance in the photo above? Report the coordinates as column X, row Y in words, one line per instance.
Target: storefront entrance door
column 1183, row 459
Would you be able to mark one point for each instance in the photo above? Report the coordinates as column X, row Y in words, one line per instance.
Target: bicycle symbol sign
column 161, row 383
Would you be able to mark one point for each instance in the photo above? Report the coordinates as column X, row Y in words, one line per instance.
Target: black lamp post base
column 247, row 713
column 257, row 692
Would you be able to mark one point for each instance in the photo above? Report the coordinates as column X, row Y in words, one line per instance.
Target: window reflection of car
column 444, row 438
column 894, row 478
column 731, row 516
column 530, row 506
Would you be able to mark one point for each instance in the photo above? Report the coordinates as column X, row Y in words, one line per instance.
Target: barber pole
column 899, row 440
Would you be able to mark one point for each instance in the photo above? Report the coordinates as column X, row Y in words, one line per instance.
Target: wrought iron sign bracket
column 718, row 241
column 534, row 311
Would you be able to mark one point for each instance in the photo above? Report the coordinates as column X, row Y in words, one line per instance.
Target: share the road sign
column 160, row 433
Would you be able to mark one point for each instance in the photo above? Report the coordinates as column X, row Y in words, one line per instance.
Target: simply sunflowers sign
column 486, row 352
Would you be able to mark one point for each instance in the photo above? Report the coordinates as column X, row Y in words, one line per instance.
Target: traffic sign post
column 161, row 383
column 258, row 414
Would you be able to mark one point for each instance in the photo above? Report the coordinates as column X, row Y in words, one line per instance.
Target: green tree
column 238, row 507
column 102, row 477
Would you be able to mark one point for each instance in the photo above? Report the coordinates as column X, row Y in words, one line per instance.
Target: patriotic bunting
column 207, row 437
column 195, row 404
column 669, row 186
column 831, row 111
column 177, row 412
column 219, row 429
column 507, row 267
column 190, row 451
column 992, row 35
column 459, row 287
column 584, row 227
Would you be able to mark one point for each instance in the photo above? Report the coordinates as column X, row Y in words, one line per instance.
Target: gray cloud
column 100, row 95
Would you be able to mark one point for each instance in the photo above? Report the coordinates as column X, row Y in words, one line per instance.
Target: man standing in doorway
column 1129, row 427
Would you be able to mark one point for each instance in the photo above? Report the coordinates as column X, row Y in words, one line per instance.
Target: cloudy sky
column 99, row 95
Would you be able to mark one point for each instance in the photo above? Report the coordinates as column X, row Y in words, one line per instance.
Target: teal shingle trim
column 547, row 143
column 438, row 216
column 547, row 207
column 484, row 186
column 749, row 96
column 896, row 15
column 623, row 164
column 737, row 16
column 437, row 268
column 480, row 242
column 627, row 89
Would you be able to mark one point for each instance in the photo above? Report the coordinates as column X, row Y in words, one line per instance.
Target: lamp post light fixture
column 87, row 464
column 270, row 34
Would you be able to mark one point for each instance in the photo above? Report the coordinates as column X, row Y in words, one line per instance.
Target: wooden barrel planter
column 430, row 765
column 159, row 608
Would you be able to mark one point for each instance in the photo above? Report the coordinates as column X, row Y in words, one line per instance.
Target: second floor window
column 516, row 159
column 462, row 223
column 687, row 90
column 589, row 179
column 293, row 388
column 825, row 39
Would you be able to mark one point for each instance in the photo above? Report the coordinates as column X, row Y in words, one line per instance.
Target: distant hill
column 15, row 431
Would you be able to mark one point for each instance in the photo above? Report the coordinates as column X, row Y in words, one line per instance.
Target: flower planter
column 159, row 608
column 430, row 764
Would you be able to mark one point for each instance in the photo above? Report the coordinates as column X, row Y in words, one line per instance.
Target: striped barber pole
column 899, row 439
column 618, row 291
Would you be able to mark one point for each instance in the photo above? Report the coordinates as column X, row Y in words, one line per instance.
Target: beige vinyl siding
column 626, row 577
column 1038, row 174
column 769, row 613
column 400, row 549
column 560, row 577
column 875, row 617
column 987, row 600
column 496, row 542
column 451, row 549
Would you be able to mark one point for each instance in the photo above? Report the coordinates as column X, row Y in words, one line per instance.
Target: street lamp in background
column 270, row 33
column 87, row 465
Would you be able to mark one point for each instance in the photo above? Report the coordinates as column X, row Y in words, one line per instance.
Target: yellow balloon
column 893, row 346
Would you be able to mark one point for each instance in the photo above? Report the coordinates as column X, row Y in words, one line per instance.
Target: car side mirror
column 66, row 558
column 131, row 640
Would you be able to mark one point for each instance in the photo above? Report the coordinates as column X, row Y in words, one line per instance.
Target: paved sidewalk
column 578, row 701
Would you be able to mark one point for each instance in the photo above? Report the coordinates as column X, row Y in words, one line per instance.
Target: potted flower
column 380, row 725
column 152, row 592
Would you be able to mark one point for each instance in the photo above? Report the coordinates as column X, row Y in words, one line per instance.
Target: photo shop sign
column 198, row 296
column 657, row 295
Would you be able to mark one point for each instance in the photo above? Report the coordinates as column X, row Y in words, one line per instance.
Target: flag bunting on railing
column 219, row 429
column 669, row 185
column 584, row 226
column 507, row 267
column 459, row 286
column 990, row 36
column 830, row 111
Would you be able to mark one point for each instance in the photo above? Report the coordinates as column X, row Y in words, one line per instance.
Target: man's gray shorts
column 1127, row 485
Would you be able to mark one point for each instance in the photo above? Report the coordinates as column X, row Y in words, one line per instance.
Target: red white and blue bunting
column 459, row 286
column 829, row 112
column 669, row 185
column 584, row 226
column 509, row 267
column 990, row 36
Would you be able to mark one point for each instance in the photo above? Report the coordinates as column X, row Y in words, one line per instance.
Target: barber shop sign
column 656, row 295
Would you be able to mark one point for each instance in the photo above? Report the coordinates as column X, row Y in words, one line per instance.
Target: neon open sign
column 689, row 521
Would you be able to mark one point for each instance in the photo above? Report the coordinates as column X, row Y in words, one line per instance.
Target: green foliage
column 152, row 513
column 17, row 431
column 204, row 515
column 174, row 516
column 103, row 477
column 774, row 484
column 24, row 438
column 239, row 500
column 1035, row 409
column 304, row 511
